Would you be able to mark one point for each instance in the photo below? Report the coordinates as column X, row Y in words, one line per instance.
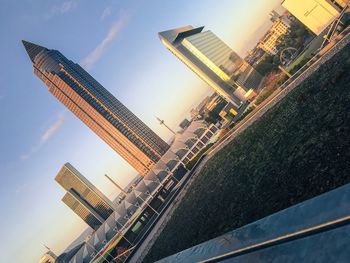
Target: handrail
column 282, row 239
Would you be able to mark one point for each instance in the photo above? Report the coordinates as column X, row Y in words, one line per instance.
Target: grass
column 296, row 151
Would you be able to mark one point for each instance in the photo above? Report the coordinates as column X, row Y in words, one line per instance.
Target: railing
column 293, row 233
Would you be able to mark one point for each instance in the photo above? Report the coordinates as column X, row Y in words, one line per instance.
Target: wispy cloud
column 68, row 6
column 63, row 8
column 106, row 13
column 89, row 61
column 47, row 134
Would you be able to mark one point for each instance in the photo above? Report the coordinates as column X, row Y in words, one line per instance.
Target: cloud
column 47, row 134
column 65, row 7
column 106, row 13
column 53, row 129
column 89, row 61
column 68, row 6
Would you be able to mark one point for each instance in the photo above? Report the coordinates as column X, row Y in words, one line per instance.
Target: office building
column 97, row 108
column 279, row 28
column 316, row 15
column 83, row 197
column 209, row 57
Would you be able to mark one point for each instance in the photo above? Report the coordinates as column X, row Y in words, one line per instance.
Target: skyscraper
column 97, row 108
column 83, row 197
column 209, row 57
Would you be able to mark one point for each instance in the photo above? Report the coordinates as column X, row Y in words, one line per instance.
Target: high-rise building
column 97, row 108
column 209, row 57
column 83, row 197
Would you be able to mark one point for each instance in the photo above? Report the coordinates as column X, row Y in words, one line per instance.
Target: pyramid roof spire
column 32, row 49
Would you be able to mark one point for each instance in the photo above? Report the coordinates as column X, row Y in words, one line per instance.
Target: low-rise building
column 185, row 123
column 279, row 28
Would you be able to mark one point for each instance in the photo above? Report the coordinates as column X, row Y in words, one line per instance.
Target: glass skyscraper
column 209, row 57
column 97, row 108
column 83, row 197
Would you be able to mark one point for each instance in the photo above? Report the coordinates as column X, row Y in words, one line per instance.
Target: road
column 255, row 115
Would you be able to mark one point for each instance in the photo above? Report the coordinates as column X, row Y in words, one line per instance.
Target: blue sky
column 117, row 42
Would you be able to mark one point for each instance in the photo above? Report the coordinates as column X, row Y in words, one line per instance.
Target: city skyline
column 41, row 127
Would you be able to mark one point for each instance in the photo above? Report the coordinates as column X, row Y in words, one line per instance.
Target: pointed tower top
column 32, row 49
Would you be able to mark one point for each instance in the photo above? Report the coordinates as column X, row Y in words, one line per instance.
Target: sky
column 117, row 43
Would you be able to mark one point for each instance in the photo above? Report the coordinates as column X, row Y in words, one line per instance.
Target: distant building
column 97, row 108
column 274, row 15
column 195, row 113
column 83, row 197
column 214, row 102
column 316, row 15
column 227, row 111
column 185, row 123
column 209, row 57
column 279, row 28
column 48, row 257
column 254, row 55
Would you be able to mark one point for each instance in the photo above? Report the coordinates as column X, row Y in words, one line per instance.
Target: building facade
column 97, row 108
column 278, row 29
column 83, row 197
column 209, row 57
column 316, row 15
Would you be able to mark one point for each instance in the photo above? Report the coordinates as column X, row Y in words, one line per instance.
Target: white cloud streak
column 65, row 7
column 68, row 6
column 106, row 13
column 47, row 134
column 89, row 61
